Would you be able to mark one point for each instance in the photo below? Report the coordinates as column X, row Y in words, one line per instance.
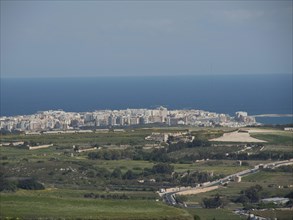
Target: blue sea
column 256, row 94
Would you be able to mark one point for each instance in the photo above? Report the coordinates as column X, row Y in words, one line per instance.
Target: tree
column 93, row 156
column 129, row 175
column 242, row 199
column 90, row 173
column 216, row 202
column 289, row 195
column 116, row 173
column 196, row 217
column 116, row 155
column 30, row 184
column 103, row 173
column 107, row 155
column 199, row 141
column 7, row 185
column 163, row 168
column 176, row 146
column 203, row 177
column 159, row 155
column 253, row 193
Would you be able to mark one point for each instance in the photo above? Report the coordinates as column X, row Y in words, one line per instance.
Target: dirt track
column 197, row 190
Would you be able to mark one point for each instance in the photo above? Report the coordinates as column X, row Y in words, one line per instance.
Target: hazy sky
column 93, row 38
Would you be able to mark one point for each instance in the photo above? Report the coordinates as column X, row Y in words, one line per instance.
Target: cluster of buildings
column 243, row 117
column 173, row 137
column 61, row 120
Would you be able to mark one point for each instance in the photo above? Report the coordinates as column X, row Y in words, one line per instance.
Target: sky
column 145, row 38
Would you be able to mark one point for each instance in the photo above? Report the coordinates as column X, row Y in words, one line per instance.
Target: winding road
column 169, row 196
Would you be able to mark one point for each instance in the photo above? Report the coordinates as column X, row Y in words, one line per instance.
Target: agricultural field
column 275, row 214
column 269, row 181
column 119, row 179
column 276, row 137
column 217, row 167
column 130, row 137
column 218, row 214
column 65, row 205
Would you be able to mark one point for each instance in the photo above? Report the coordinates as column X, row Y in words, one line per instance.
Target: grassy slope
column 262, row 178
column 278, row 138
column 218, row 214
column 67, row 140
column 73, row 205
column 233, row 189
column 280, row 215
column 217, row 167
column 31, row 204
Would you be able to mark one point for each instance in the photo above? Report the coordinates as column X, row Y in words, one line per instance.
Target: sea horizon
column 255, row 94
column 206, row 74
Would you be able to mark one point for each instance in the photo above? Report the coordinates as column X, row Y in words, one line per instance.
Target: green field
column 270, row 181
column 67, row 140
column 34, row 204
column 278, row 138
column 279, row 214
column 264, row 178
column 68, row 176
column 217, row 214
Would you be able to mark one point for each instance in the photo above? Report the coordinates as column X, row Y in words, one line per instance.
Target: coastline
column 270, row 94
column 272, row 115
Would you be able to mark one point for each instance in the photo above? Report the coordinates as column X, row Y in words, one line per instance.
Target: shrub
column 216, row 202
column 7, row 185
column 163, row 168
column 30, row 184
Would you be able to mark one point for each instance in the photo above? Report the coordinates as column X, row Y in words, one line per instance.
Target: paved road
column 170, row 197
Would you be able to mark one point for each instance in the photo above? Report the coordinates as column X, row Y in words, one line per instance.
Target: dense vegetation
column 26, row 183
column 215, row 202
column 250, row 195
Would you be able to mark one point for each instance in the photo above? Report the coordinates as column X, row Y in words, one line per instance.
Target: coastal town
column 60, row 120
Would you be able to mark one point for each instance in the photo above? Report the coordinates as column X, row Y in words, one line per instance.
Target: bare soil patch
column 197, row 190
column 237, row 136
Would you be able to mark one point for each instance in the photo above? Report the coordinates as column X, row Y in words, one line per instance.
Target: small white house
column 288, row 129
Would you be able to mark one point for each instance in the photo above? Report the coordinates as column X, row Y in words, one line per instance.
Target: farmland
column 57, row 204
column 119, row 179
